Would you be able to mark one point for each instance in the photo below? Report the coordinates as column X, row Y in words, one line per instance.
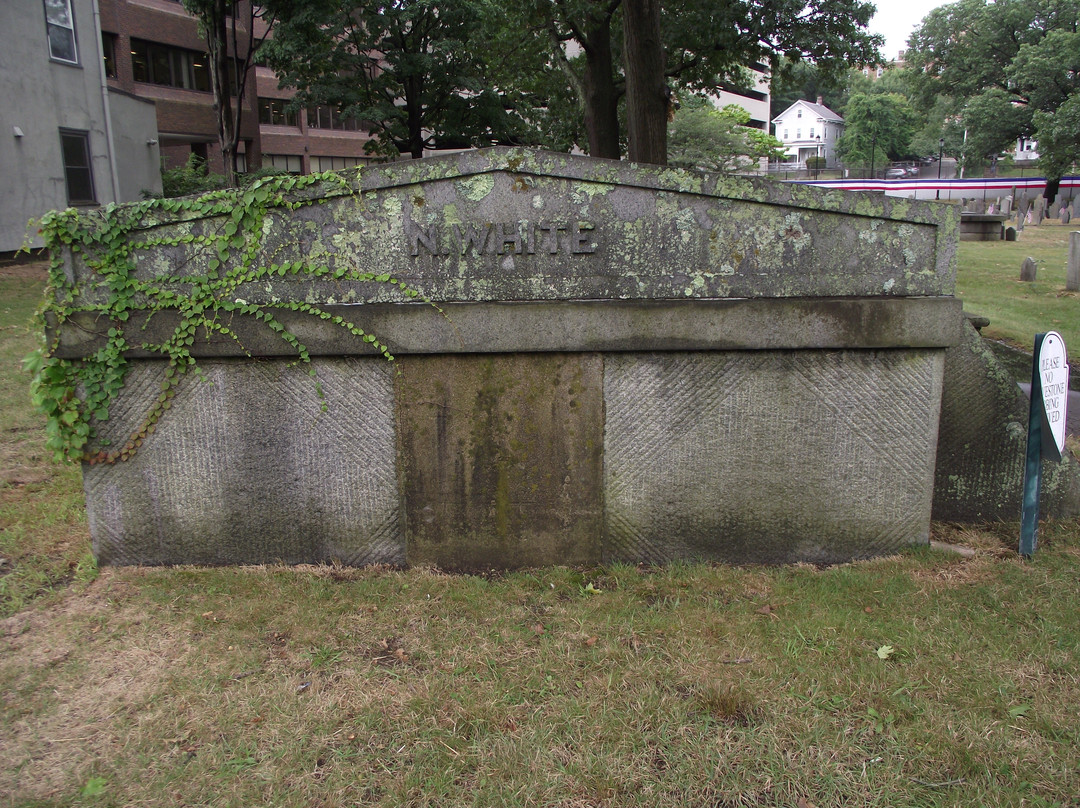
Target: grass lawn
column 925, row 679
column 988, row 281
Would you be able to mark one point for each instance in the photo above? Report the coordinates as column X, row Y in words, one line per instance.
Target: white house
column 1027, row 150
column 807, row 130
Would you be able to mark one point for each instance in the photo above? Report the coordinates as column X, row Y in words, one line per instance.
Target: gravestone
column 1066, row 215
column 1010, row 234
column 627, row 363
column 1027, row 269
column 1072, row 265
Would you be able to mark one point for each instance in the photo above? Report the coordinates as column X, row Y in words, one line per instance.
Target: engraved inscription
column 502, row 238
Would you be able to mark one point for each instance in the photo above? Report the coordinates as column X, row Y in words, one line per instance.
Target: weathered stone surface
column 245, row 468
column 501, row 459
column 982, row 444
column 1027, row 269
column 769, row 456
column 1072, row 264
column 518, row 225
column 577, row 325
column 982, row 226
column 623, row 353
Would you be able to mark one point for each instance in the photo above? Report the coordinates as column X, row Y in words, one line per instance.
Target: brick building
column 153, row 49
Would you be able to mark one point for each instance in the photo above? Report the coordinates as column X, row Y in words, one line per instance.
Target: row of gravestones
column 1026, row 210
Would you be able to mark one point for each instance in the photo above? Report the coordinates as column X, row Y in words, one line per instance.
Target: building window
column 152, row 63
column 326, row 117
column 785, row 134
column 75, row 147
column 108, row 54
column 811, row 131
column 60, row 23
column 335, row 163
column 273, row 111
column 798, row 134
column 286, row 162
column 798, row 113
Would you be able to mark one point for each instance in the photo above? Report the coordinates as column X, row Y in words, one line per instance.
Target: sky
column 896, row 19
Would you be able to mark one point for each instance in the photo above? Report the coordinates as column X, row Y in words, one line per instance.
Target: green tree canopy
column 878, row 128
column 412, row 70
column 1007, row 65
column 709, row 139
column 703, row 47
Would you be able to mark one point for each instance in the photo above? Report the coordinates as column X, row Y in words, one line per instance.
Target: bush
column 191, row 178
column 815, row 163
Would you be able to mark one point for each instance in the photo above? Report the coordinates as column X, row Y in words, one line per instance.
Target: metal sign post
column 1046, row 427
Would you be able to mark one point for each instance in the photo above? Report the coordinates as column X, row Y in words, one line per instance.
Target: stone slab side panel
column 246, row 468
column 769, row 456
column 501, row 459
column 983, row 444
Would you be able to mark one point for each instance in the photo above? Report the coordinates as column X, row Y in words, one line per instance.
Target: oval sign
column 1054, row 383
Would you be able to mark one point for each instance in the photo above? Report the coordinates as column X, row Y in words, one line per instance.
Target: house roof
column 818, row 110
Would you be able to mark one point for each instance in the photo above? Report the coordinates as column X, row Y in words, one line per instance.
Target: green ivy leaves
column 77, row 394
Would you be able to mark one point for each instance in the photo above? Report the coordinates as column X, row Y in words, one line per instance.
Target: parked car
column 895, row 173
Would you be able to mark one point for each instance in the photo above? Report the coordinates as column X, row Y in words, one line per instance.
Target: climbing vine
column 76, row 394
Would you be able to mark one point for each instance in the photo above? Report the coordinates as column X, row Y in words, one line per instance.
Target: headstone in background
column 1066, row 215
column 1006, row 205
column 1010, row 234
column 1039, row 210
column 979, row 206
column 1027, row 269
column 1072, row 266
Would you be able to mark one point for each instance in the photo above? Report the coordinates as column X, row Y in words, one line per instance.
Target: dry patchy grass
column 689, row 685
column 925, row 679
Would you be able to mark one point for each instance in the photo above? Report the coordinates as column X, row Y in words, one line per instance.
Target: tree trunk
column 217, row 39
column 647, row 93
column 601, row 97
column 414, row 117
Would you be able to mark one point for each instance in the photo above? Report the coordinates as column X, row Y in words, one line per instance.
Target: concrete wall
column 630, row 363
column 135, row 138
column 41, row 96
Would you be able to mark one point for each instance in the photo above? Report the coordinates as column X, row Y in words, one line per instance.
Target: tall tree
column 709, row 139
column 704, row 45
column 648, row 96
column 411, row 70
column 801, row 80
column 1009, row 65
column 234, row 31
column 878, row 127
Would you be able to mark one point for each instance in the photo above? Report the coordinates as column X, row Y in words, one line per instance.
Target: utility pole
column 940, row 154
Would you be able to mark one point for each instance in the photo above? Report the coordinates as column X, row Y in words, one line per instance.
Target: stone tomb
column 630, row 363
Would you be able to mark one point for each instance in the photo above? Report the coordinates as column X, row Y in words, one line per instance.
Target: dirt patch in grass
column 55, row 733
column 30, row 271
